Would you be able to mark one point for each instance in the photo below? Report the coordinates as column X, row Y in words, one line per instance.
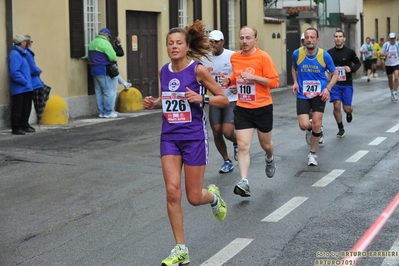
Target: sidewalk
column 82, row 121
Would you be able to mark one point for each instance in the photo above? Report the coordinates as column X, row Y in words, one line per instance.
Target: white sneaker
column 395, row 97
column 101, row 116
column 312, row 159
column 127, row 85
column 111, row 115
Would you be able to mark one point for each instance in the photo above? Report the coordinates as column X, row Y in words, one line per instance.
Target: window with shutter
column 76, row 29
column 112, row 17
column 173, row 13
column 197, row 9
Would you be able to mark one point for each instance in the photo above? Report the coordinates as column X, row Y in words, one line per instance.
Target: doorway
column 142, row 51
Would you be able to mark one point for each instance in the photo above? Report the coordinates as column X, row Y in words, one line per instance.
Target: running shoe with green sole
column 341, row 133
column 177, row 257
column 220, row 210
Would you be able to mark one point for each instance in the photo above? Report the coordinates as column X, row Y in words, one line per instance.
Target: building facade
column 62, row 29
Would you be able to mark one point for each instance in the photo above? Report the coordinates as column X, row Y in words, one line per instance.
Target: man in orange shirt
column 255, row 74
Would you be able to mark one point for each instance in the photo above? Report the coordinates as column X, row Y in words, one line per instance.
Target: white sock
column 182, row 246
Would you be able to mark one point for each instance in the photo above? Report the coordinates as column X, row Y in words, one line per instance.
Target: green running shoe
column 220, row 210
column 177, row 257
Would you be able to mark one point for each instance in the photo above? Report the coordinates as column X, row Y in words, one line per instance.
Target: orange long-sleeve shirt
column 254, row 95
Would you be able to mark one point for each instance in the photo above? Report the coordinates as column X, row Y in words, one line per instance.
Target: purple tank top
column 177, row 82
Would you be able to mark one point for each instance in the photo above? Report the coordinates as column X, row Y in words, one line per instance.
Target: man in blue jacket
column 21, row 89
column 101, row 55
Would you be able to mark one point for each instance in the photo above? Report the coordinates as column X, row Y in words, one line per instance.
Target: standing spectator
column 35, row 71
column 222, row 119
column 102, row 56
column 184, row 138
column 346, row 62
column 311, row 86
column 376, row 54
column 255, row 75
column 367, row 54
column 117, row 45
column 391, row 51
column 21, row 89
column 382, row 57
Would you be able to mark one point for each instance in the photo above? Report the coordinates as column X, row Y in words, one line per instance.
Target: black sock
column 340, row 126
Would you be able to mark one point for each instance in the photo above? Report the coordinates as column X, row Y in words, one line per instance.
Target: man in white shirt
column 390, row 49
column 222, row 119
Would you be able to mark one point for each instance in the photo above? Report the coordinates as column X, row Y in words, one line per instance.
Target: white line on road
column 393, row 129
column 377, row 141
column 357, row 156
column 328, row 178
column 278, row 214
column 393, row 260
column 227, row 252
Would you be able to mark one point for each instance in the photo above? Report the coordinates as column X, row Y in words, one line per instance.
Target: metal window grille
column 232, row 24
column 183, row 13
column 91, row 21
column 329, row 13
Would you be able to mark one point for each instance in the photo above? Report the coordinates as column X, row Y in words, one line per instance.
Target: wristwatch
column 205, row 99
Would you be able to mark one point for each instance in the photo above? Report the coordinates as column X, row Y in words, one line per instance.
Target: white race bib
column 393, row 55
column 341, row 73
column 246, row 90
column 311, row 88
column 176, row 107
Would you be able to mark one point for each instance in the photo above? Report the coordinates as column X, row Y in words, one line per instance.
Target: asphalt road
column 91, row 192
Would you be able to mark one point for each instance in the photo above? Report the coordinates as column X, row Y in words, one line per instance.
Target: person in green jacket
column 102, row 57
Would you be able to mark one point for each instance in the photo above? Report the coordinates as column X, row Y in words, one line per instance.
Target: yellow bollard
column 55, row 112
column 130, row 101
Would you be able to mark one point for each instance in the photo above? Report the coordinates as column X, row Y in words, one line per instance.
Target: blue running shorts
column 343, row 93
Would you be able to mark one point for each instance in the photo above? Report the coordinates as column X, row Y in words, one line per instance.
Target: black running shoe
column 341, row 133
column 349, row 117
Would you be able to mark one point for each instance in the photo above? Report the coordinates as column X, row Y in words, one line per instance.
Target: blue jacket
column 35, row 71
column 19, row 72
column 101, row 54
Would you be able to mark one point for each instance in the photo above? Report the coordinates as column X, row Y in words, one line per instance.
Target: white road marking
column 328, row 178
column 356, row 157
column 393, row 129
column 278, row 214
column 393, row 260
column 227, row 252
column 377, row 141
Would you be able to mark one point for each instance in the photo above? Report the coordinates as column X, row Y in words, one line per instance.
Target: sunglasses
column 213, row 41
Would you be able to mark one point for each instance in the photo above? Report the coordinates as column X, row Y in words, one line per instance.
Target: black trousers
column 21, row 106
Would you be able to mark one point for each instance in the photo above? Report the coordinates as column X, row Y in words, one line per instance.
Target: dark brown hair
column 197, row 39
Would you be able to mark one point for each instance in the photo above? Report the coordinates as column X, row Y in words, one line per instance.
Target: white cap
column 216, row 35
column 303, row 36
column 392, row 35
